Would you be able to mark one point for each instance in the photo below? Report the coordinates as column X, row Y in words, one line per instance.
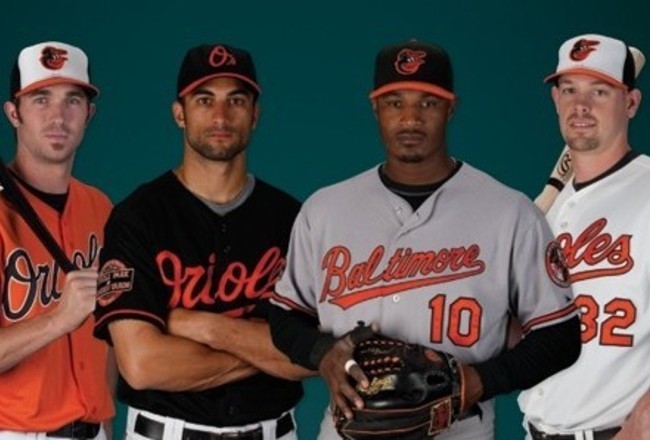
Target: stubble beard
column 410, row 158
column 56, row 153
column 219, row 154
column 582, row 144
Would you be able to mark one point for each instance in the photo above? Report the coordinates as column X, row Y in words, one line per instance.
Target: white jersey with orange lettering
column 604, row 230
column 445, row 275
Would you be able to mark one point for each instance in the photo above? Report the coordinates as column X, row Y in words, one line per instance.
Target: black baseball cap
column 415, row 66
column 207, row 61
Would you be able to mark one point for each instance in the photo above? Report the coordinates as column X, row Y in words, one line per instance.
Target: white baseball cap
column 602, row 57
column 49, row 63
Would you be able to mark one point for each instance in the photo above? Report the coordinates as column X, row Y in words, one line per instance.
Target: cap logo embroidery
column 220, row 56
column 409, row 61
column 53, row 58
column 582, row 49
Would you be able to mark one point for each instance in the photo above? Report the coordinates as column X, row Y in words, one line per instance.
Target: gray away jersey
column 444, row 276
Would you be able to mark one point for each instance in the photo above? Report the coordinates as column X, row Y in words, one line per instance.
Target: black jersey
column 165, row 248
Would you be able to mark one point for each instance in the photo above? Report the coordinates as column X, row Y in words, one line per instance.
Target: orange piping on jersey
column 571, row 308
column 292, row 305
column 130, row 312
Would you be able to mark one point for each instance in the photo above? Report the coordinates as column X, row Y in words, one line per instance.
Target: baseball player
column 53, row 373
column 601, row 222
column 189, row 263
column 429, row 250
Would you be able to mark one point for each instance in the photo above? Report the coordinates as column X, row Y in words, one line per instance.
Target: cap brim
column 583, row 71
column 94, row 91
column 198, row 82
column 414, row 85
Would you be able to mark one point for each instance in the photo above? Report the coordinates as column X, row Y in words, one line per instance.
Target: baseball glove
column 415, row 392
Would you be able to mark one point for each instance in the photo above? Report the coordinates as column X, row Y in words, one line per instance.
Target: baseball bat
column 562, row 171
column 13, row 194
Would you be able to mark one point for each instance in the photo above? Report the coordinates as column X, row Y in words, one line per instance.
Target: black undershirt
column 415, row 195
column 56, row 201
column 542, row 353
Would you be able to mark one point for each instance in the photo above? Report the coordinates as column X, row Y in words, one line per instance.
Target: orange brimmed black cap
column 414, row 66
column 202, row 63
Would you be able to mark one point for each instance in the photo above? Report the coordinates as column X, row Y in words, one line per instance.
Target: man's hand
column 637, row 425
column 78, row 299
column 333, row 370
column 24, row 338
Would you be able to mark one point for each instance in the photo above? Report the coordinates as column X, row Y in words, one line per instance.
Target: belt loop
column 173, row 429
column 589, row 434
column 131, row 416
column 268, row 430
column 580, row 435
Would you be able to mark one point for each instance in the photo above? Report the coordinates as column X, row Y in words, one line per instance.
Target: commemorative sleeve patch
column 556, row 265
column 114, row 279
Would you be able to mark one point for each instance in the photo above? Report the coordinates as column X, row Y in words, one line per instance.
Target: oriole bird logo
column 53, row 58
column 409, row 61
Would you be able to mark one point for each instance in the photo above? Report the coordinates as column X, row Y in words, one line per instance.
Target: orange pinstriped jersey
column 66, row 380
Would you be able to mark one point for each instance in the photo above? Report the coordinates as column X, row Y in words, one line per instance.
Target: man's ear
column 11, row 111
column 374, row 104
column 451, row 110
column 256, row 114
column 633, row 102
column 178, row 114
column 555, row 93
column 92, row 109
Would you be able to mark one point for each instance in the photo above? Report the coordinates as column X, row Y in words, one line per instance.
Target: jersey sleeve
column 296, row 288
column 128, row 285
column 542, row 294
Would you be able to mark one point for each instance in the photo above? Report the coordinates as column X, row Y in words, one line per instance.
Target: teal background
column 315, row 62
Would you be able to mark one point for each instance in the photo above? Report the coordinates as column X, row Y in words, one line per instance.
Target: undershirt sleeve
column 296, row 334
column 542, row 353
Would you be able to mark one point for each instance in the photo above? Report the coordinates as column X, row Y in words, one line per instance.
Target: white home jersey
column 444, row 276
column 604, row 230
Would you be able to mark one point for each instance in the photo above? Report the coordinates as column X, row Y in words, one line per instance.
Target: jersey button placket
column 222, row 245
column 565, row 212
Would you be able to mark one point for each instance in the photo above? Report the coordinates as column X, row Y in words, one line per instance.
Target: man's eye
column 430, row 103
column 238, row 101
